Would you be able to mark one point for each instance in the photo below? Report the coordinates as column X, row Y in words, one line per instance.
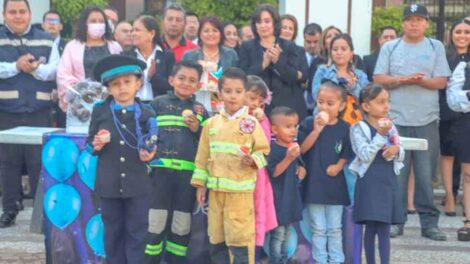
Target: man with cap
column 123, row 134
column 414, row 68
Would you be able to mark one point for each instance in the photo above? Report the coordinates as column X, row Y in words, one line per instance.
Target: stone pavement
column 18, row 245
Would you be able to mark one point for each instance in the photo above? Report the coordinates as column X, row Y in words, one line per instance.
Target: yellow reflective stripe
column 200, row 174
column 154, row 250
column 260, row 160
column 176, row 249
column 223, row 147
column 229, row 184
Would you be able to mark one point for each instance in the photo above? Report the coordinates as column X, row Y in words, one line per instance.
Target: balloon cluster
column 61, row 157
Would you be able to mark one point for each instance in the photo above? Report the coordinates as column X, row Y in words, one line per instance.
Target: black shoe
column 451, row 214
column 7, row 219
column 433, row 233
column 396, row 230
column 410, row 212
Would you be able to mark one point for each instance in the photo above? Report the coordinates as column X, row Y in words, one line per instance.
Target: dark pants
column 125, row 226
column 14, row 156
column 173, row 201
column 425, row 167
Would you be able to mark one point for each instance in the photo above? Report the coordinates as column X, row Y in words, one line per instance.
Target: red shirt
column 181, row 48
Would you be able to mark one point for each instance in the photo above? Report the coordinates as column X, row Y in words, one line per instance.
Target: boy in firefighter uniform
column 232, row 148
column 180, row 120
column 123, row 133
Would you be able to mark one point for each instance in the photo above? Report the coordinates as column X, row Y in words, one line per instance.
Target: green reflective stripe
column 176, row 249
column 154, row 250
column 174, row 164
column 169, row 118
column 222, row 147
column 260, row 160
column 200, row 118
column 203, row 123
column 200, row 174
column 171, row 123
column 229, row 184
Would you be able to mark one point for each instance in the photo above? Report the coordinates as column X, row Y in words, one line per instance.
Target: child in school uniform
column 179, row 118
column 326, row 147
column 285, row 170
column 378, row 161
column 122, row 133
column 232, row 148
column 265, row 213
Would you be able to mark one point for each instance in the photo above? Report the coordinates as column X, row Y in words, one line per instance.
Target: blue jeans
column 278, row 245
column 326, row 226
column 425, row 167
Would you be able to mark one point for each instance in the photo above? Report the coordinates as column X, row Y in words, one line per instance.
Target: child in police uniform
column 231, row 150
column 122, row 133
column 180, row 120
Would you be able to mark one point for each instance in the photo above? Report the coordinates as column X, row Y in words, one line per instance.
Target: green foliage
column 392, row 16
column 70, row 9
column 237, row 11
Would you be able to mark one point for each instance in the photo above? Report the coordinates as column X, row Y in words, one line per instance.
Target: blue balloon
column 95, row 235
column 87, row 164
column 306, row 226
column 59, row 158
column 62, row 204
column 292, row 242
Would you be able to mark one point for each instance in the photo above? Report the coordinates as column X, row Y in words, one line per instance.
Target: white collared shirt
column 146, row 93
column 237, row 114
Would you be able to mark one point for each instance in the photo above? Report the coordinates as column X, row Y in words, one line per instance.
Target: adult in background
column 123, row 35
column 386, row 33
column 93, row 41
column 289, row 29
column 174, row 20
column 213, row 57
column 415, row 67
column 312, row 46
column 328, row 34
column 231, row 36
column 458, row 50
column 148, row 48
column 27, row 71
column 273, row 59
column 458, row 97
column 246, row 33
column 192, row 27
column 112, row 17
column 52, row 24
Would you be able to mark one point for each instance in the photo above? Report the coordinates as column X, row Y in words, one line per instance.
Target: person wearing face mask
column 93, row 41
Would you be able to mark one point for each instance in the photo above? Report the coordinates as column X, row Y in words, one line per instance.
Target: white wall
column 335, row 12
column 38, row 8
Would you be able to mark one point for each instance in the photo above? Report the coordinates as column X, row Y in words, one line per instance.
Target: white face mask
column 96, row 30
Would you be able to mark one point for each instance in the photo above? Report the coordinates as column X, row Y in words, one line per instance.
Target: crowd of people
column 244, row 115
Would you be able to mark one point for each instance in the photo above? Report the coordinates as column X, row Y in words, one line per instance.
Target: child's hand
column 319, row 124
column 247, row 160
column 333, row 170
column 258, row 113
column 201, row 195
column 145, row 156
column 192, row 122
column 383, row 130
column 301, row 172
column 390, row 152
column 98, row 143
column 293, row 152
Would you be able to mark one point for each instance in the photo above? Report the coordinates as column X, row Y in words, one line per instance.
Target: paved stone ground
column 18, row 245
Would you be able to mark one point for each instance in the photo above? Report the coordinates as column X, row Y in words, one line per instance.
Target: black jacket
column 165, row 61
column 369, row 64
column 120, row 172
column 280, row 77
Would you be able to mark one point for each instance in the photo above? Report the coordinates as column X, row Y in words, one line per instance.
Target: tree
column 70, row 10
column 236, row 11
